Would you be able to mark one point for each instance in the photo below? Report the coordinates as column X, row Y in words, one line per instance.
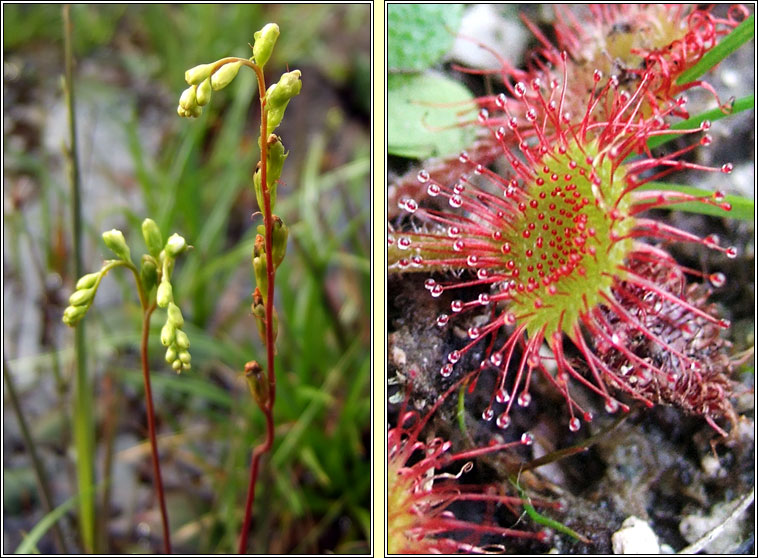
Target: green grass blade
column 29, row 544
column 694, row 122
column 742, row 208
column 739, row 36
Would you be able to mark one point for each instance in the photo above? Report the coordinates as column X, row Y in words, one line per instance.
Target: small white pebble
column 635, row 537
column 710, row 465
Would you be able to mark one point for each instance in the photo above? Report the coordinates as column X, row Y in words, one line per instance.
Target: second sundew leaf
column 428, row 116
column 419, row 35
column 739, row 36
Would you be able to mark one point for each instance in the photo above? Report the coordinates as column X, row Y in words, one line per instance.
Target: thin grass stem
column 84, row 421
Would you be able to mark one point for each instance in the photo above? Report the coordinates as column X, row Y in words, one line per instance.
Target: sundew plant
column 545, row 238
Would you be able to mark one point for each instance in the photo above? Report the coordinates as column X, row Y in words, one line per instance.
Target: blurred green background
column 138, row 159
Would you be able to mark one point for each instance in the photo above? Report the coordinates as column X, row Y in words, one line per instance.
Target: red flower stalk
column 420, row 520
column 557, row 245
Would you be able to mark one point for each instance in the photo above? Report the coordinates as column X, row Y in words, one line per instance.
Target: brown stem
column 151, row 428
column 270, row 275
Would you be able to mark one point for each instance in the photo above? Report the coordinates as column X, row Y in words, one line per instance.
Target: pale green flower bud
column 182, row 341
column 185, row 357
column 257, row 382
column 73, row 314
column 165, row 294
column 204, row 92
column 195, row 111
column 289, row 86
column 265, row 39
column 188, row 98
column 152, row 235
column 186, row 366
column 114, row 239
column 171, row 355
column 87, row 281
column 278, row 241
column 195, row 75
column 175, row 245
column 175, row 315
column 148, row 272
column 81, row 297
column 275, row 156
column 225, row 75
column 168, row 334
column 177, row 365
column 181, row 112
column 261, row 279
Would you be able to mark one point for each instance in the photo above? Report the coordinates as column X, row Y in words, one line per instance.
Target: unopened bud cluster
column 155, row 270
column 172, row 336
column 206, row 78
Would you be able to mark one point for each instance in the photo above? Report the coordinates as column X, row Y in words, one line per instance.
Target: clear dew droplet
column 520, row 89
column 423, row 176
column 487, row 414
column 509, row 318
column 611, row 406
column 503, row 421
column 575, row 424
column 473, row 332
column 454, row 357
column 436, row 290
column 717, row 279
column 496, row 359
column 446, row 370
column 484, row 299
column 458, row 245
column 455, row 201
column 524, row 399
column 429, row 283
column 527, row 439
column 433, row 190
column 727, row 168
column 500, row 100
column 501, row 395
column 456, row 305
column 731, row 252
column 403, row 242
column 442, row 320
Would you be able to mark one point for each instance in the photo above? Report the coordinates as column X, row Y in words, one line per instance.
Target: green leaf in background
column 693, row 122
column 418, row 35
column 424, row 116
column 742, row 208
column 29, row 543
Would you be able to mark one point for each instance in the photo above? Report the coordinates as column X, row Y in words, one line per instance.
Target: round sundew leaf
column 418, row 35
column 425, row 113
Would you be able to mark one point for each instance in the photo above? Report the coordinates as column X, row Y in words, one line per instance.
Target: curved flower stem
column 265, row 446
column 147, row 312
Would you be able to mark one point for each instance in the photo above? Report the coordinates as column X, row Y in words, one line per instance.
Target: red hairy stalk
column 420, row 520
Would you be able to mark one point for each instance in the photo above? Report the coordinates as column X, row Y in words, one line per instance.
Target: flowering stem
column 147, row 312
column 265, row 446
